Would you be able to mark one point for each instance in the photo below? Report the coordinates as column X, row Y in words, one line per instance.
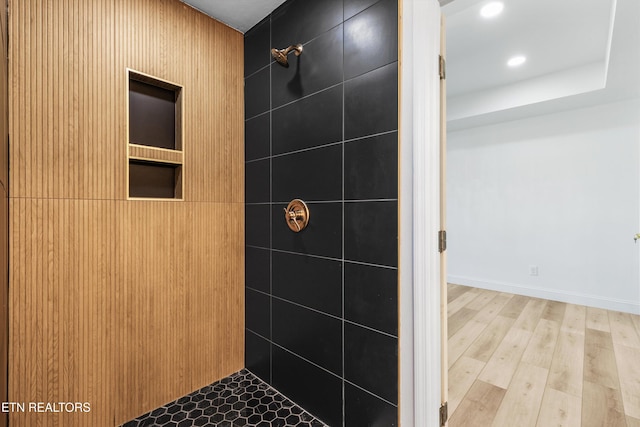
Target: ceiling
column 578, row 51
column 554, row 35
column 238, row 14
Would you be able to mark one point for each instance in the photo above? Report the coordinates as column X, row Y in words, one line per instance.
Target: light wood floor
column 520, row 361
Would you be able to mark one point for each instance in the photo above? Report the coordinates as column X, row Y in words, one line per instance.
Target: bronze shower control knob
column 296, row 214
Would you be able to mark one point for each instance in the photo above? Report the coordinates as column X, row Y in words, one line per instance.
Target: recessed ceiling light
column 491, row 9
column 516, row 61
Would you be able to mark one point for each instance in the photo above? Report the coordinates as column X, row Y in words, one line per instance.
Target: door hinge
column 444, row 414
column 442, row 241
column 442, row 66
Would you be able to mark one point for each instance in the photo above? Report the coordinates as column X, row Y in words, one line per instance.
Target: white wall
column 560, row 192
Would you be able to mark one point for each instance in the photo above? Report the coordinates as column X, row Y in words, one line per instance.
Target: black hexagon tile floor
column 239, row 400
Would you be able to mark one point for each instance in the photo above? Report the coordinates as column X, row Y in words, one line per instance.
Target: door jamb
column 419, row 217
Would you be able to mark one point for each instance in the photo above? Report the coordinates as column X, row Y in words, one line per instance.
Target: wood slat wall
column 123, row 304
column 4, row 215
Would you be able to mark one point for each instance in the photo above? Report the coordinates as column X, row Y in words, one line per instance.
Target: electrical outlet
column 533, row 270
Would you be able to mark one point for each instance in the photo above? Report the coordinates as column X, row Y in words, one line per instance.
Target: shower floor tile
column 239, row 400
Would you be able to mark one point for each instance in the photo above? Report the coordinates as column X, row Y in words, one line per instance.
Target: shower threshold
column 239, row 400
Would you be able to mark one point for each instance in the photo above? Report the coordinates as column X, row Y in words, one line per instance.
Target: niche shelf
column 155, row 157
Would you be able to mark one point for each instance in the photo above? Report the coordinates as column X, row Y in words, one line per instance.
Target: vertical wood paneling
column 61, row 310
column 64, row 74
column 4, row 297
column 184, row 312
column 123, row 304
column 4, row 215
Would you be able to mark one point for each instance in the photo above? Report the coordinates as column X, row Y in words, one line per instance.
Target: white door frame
column 419, row 192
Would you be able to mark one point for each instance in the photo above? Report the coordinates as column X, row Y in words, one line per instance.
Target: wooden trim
column 154, row 154
column 126, row 135
column 152, row 199
column 153, row 80
column 180, row 120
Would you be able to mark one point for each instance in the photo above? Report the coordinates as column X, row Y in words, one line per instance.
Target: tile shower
column 321, row 305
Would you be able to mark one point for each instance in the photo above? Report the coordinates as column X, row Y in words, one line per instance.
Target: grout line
column 256, row 116
column 317, row 202
column 315, row 310
column 258, row 159
column 344, row 389
column 257, row 334
column 328, row 258
column 306, row 96
column 302, row 150
column 333, row 316
column 258, row 70
column 395, row 405
column 371, row 135
column 323, row 257
column 332, row 373
column 329, row 144
column 351, row 322
column 270, row 210
column 371, row 71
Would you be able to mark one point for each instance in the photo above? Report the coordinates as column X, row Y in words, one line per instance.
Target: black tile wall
column 315, row 389
column 351, row 7
column 371, row 232
column 258, row 355
column 257, row 134
column 298, row 21
column 367, row 50
column 257, row 52
column 322, row 316
column 319, row 67
column 257, row 188
column 371, row 102
column 256, row 93
column 310, row 334
column 257, row 277
column 323, row 235
column 315, row 173
column 371, row 361
column 365, row 409
column 371, row 168
column 257, row 225
column 309, row 281
column 309, row 122
column 371, row 296
column 258, row 312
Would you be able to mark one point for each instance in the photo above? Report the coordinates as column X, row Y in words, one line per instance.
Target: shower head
column 280, row 55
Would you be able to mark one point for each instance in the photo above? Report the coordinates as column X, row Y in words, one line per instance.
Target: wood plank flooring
column 520, row 361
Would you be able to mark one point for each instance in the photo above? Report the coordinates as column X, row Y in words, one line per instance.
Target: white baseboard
column 550, row 294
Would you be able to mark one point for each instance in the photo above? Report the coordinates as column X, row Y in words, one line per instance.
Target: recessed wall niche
column 155, row 148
